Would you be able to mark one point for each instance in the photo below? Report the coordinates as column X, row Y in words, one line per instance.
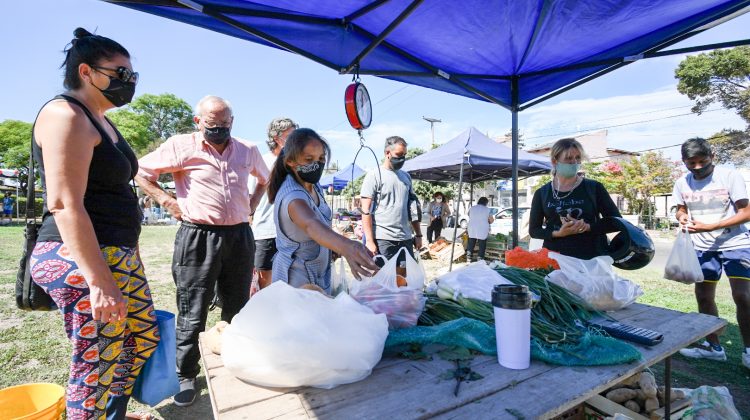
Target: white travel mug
column 512, row 307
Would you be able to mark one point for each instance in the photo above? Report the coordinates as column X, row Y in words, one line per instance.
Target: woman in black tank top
column 85, row 256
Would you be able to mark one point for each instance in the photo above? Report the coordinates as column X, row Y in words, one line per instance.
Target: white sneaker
column 746, row 360
column 705, row 351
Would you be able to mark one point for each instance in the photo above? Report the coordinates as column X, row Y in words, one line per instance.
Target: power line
column 623, row 124
column 628, row 115
column 381, row 100
column 666, row 147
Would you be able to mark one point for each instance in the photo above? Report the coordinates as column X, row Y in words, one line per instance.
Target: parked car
column 504, row 220
column 344, row 214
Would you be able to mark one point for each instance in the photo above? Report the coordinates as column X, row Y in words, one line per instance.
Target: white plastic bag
column 712, row 403
column 475, row 281
column 288, row 337
column 683, row 265
column 594, row 281
column 402, row 305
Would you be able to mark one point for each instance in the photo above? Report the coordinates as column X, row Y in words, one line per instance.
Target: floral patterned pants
column 107, row 357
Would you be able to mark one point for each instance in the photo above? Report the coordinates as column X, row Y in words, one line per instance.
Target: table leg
column 668, row 388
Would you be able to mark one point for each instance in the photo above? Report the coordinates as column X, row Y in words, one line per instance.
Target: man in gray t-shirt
column 712, row 202
column 390, row 211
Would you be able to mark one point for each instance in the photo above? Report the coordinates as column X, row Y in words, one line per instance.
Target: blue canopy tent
column 514, row 53
column 473, row 157
column 342, row 178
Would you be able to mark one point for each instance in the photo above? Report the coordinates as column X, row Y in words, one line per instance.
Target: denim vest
column 300, row 261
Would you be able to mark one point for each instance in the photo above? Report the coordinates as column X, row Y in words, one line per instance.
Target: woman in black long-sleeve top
column 566, row 211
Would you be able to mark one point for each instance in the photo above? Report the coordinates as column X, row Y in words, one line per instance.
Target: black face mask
column 216, row 135
column 118, row 93
column 311, row 172
column 702, row 172
column 397, row 162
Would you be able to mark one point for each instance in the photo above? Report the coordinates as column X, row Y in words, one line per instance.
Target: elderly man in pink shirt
column 214, row 245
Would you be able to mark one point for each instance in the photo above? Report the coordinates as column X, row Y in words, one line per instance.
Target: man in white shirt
column 479, row 228
column 713, row 203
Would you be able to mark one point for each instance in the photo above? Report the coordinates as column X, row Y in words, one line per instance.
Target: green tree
column 731, row 146
column 15, row 141
column 645, row 176
column 151, row 119
column 721, row 76
column 135, row 128
column 167, row 114
column 13, row 133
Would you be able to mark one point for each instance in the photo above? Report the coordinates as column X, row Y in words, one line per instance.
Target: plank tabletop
column 406, row 389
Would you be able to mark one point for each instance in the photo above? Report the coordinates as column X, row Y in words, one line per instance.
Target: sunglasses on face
column 124, row 74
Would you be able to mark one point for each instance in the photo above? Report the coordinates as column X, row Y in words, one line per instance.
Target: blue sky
column 263, row 83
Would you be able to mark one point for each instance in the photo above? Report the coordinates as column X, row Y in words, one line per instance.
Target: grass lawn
column 33, row 346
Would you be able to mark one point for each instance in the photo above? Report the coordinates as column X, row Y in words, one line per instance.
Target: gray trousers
column 207, row 257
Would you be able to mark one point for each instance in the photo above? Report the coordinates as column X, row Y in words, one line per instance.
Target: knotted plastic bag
column 288, row 337
column 683, row 265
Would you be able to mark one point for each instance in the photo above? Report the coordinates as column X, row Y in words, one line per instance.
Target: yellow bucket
column 41, row 401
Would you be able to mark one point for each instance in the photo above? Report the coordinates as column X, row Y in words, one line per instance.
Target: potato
column 621, row 395
column 632, row 405
column 651, row 404
column 676, row 394
column 213, row 337
column 647, row 382
column 640, row 397
column 631, row 381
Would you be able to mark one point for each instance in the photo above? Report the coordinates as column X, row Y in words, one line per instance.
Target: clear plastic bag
column 381, row 293
column 595, row 281
column 683, row 265
column 288, row 337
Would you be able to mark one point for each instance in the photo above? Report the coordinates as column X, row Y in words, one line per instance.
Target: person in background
column 214, row 246
column 712, row 202
column 439, row 211
column 8, row 202
column 479, row 228
column 264, row 228
column 390, row 218
column 304, row 237
column 86, row 256
column 566, row 211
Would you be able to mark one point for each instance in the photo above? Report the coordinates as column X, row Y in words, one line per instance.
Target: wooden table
column 405, row 389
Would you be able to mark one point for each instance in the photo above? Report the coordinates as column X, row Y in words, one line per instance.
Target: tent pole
column 455, row 206
column 514, row 155
column 471, row 193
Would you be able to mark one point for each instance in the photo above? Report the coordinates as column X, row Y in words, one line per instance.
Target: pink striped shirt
column 211, row 187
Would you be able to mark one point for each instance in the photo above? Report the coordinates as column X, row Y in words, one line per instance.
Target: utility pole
column 432, row 122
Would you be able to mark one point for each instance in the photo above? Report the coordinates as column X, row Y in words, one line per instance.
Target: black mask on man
column 397, row 162
column 701, row 173
column 216, row 135
column 311, row 172
column 118, row 93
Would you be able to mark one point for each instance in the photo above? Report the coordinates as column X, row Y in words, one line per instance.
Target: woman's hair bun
column 81, row 33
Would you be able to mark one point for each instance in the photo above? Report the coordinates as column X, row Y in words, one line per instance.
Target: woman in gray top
column 304, row 237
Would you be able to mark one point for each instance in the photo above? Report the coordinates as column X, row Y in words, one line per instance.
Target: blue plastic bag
column 158, row 378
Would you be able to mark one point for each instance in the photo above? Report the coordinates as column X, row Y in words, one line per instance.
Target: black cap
column 511, row 296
